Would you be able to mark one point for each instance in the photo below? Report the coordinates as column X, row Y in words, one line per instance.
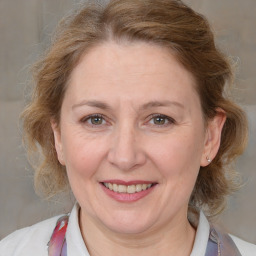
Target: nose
column 125, row 152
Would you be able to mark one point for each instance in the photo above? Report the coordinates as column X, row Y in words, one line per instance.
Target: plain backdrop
column 25, row 32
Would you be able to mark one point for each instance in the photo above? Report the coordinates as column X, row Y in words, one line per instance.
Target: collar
column 75, row 242
column 208, row 240
column 76, row 245
column 202, row 235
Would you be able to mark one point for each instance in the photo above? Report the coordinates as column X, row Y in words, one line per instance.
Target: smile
column 130, row 189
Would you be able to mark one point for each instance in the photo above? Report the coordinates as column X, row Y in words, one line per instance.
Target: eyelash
column 169, row 119
column 151, row 117
column 85, row 119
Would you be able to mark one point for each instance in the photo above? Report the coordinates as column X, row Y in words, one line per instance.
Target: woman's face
column 132, row 137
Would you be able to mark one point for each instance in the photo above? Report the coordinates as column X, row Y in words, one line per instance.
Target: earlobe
column 213, row 137
column 57, row 141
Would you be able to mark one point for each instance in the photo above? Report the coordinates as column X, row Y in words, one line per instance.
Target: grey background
column 25, row 31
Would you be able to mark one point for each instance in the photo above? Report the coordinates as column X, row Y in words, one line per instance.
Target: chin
column 124, row 224
column 129, row 229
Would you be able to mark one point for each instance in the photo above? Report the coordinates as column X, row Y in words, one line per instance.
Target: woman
column 129, row 111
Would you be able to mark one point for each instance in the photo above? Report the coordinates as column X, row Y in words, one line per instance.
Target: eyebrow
column 151, row 104
column 93, row 103
column 165, row 103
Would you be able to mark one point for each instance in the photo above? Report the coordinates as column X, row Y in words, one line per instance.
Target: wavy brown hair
column 167, row 23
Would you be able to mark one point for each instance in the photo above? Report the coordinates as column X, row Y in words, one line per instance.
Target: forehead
column 131, row 69
column 136, row 57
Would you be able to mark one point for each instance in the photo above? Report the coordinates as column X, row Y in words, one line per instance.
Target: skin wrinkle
column 130, row 148
column 105, row 106
column 130, row 242
column 129, row 23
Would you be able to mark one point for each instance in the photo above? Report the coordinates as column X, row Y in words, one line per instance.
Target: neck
column 168, row 239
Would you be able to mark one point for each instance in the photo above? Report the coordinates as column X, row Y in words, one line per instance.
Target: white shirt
column 33, row 240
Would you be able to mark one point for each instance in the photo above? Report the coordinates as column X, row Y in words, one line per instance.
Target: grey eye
column 96, row 120
column 159, row 120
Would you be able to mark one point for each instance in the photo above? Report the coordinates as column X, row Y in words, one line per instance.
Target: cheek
column 82, row 154
column 178, row 156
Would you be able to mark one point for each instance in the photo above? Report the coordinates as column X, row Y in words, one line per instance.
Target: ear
column 57, row 141
column 213, row 137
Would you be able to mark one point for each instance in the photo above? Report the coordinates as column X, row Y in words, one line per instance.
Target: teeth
column 131, row 189
column 122, row 189
column 144, row 186
column 138, row 187
column 115, row 187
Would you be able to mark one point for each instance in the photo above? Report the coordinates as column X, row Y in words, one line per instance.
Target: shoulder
column 245, row 248
column 29, row 240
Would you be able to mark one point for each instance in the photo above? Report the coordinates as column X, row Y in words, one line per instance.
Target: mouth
column 128, row 189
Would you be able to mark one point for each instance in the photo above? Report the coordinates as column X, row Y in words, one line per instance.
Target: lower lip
column 126, row 197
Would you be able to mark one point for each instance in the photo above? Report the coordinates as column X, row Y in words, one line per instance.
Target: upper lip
column 127, row 183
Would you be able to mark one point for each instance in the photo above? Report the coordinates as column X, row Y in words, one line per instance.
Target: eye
column 161, row 120
column 94, row 120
